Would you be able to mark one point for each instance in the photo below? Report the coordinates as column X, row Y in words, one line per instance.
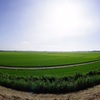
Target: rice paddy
column 61, row 80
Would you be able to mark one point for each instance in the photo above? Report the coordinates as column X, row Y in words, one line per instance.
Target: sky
column 50, row 25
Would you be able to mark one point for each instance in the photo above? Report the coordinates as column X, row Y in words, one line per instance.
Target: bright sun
column 65, row 19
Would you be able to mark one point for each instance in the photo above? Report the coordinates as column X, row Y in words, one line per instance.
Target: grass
column 36, row 59
column 62, row 80
column 53, row 72
column 51, row 84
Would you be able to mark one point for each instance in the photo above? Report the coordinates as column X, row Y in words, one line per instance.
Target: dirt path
column 35, row 68
column 89, row 94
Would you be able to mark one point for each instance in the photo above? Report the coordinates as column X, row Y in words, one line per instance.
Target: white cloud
column 64, row 20
column 50, row 22
column 25, row 43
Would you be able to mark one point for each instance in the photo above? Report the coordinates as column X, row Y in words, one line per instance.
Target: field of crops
column 32, row 59
column 60, row 80
column 53, row 72
column 52, row 81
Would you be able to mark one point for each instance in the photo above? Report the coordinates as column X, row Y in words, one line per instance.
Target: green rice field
column 53, row 72
column 36, row 59
column 61, row 80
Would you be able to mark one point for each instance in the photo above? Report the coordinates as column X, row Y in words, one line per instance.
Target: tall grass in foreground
column 51, row 84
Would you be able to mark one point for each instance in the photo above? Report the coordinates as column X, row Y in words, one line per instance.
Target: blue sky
column 50, row 25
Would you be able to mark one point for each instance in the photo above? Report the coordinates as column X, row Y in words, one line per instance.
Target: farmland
column 60, row 80
column 38, row 59
column 53, row 72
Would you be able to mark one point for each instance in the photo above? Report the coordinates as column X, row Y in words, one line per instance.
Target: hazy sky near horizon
column 50, row 25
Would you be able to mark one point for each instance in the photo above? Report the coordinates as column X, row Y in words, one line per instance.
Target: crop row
column 51, row 84
column 55, row 72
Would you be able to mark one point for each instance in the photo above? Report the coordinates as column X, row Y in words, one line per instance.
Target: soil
column 89, row 94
